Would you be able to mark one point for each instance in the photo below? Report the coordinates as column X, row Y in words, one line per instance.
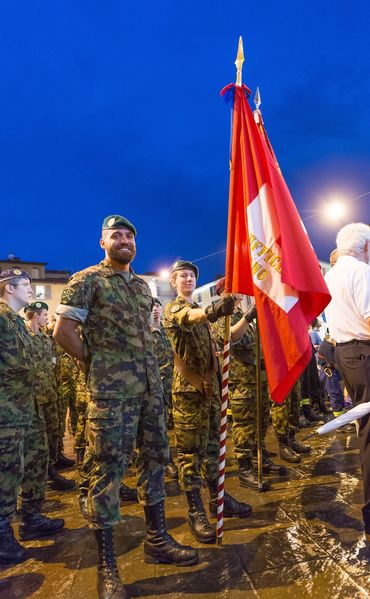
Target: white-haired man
column 348, row 316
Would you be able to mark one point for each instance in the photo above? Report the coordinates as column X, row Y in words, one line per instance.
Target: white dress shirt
column 349, row 285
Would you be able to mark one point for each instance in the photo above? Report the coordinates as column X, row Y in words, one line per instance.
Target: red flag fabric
column 269, row 254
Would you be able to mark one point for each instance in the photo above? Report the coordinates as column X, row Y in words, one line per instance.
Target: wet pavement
column 304, row 539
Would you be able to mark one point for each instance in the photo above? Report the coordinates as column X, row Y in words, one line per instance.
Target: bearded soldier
column 113, row 306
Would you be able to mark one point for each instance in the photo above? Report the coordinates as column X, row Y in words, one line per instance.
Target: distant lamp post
column 335, row 210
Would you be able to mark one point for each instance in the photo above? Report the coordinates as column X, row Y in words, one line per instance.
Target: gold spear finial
column 239, row 62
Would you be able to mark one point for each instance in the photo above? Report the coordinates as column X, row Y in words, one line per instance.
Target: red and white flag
column 269, row 255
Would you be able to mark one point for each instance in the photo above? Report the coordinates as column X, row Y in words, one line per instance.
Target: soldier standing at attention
column 196, row 399
column 113, row 306
column 285, row 422
column 164, row 354
column 243, row 394
column 45, row 388
column 23, row 444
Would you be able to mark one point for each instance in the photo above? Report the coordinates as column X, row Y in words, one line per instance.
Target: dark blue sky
column 114, row 107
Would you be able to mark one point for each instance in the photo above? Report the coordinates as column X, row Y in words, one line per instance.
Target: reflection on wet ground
column 304, row 539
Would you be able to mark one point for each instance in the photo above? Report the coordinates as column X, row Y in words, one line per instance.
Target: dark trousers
column 353, row 360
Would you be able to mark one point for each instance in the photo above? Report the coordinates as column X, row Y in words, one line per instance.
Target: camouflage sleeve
column 77, row 297
column 176, row 316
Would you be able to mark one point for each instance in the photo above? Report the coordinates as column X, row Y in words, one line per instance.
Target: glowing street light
column 164, row 273
column 335, row 210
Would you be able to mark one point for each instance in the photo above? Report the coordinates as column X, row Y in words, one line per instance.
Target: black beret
column 115, row 221
column 184, row 265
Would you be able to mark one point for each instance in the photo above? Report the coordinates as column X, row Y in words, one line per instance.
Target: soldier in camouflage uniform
column 163, row 352
column 45, row 388
column 196, row 398
column 66, row 373
column 82, row 398
column 113, row 306
column 285, row 421
column 243, row 394
column 23, row 444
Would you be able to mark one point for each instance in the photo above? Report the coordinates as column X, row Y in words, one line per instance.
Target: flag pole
column 258, row 120
column 259, row 410
column 225, row 372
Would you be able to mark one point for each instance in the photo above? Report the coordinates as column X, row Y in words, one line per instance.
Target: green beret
column 157, row 301
column 115, row 221
column 185, row 265
column 14, row 273
column 35, row 306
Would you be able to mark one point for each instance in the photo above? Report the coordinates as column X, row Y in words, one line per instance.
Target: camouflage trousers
column 197, row 428
column 113, row 429
column 65, row 401
column 23, row 467
column 49, row 413
column 244, row 426
column 285, row 417
column 81, row 407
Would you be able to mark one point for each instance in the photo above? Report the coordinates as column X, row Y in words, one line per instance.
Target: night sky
column 114, row 107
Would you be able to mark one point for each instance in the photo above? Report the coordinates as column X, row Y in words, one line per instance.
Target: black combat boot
column 80, row 452
column 159, row 546
column 269, row 467
column 297, row 446
column 109, row 583
column 11, row 552
column 286, row 453
column 310, row 415
column 201, row 529
column 37, row 526
column 57, row 482
column 232, row 507
column 127, row 494
column 248, row 477
column 64, row 462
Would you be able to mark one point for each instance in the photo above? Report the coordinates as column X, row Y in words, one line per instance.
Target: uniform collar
column 111, row 272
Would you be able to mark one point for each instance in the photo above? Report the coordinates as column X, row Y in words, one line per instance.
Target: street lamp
column 335, row 209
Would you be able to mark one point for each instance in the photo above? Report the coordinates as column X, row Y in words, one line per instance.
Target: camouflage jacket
column 67, row 374
column 191, row 342
column 17, row 370
column 164, row 354
column 242, row 373
column 45, row 382
column 114, row 314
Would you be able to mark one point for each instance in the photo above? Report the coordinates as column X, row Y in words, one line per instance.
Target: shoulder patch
column 67, row 294
column 175, row 309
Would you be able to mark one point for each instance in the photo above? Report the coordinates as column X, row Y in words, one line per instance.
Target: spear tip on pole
column 257, row 98
column 239, row 62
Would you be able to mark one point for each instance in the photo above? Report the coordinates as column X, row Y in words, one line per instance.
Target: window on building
column 212, row 290
column 43, row 292
column 35, row 273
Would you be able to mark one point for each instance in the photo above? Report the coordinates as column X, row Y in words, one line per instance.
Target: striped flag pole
column 223, row 430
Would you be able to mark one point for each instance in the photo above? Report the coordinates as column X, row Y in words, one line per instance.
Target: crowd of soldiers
column 127, row 374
